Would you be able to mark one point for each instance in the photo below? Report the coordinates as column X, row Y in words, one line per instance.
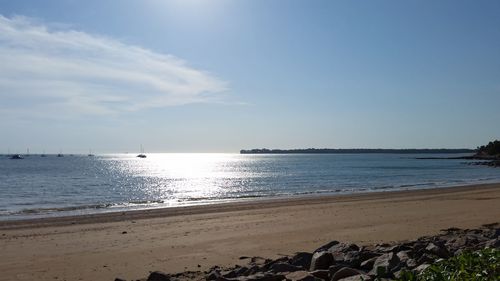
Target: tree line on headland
column 492, row 149
column 353, row 150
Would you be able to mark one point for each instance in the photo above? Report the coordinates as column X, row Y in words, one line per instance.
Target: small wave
column 418, row 184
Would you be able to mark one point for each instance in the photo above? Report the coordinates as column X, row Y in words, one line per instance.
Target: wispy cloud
column 42, row 68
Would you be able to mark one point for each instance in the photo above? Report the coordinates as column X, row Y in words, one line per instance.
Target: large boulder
column 321, row 260
column 158, row 276
column 345, row 272
column 352, row 259
column 283, row 267
column 437, row 250
column 301, row 259
column 368, row 264
column 384, row 264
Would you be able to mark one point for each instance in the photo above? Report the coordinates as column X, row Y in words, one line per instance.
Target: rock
column 334, row 268
column 230, row 273
column 492, row 233
column 425, row 258
column 352, row 259
column 411, row 263
column 213, row 275
column 326, row 246
column 384, row 264
column 359, row 277
column 158, row 276
column 395, row 248
column 493, row 243
column 119, row 279
column 368, row 264
column 345, row 272
column 252, row 270
column 268, row 264
column 439, row 251
column 456, row 243
column 302, row 259
column 343, row 248
column 283, row 267
column 367, row 254
column 321, row 260
column 321, row 274
column 421, row 268
column 301, row 276
column 403, row 256
column 260, row 277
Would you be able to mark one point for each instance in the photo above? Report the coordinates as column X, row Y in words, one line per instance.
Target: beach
column 131, row 244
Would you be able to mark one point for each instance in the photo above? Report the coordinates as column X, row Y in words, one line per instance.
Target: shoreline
column 130, row 244
column 237, row 204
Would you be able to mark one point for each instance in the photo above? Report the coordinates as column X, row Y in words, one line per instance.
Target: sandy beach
column 130, row 244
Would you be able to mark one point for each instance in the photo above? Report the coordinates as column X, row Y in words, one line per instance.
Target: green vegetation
column 491, row 149
column 481, row 265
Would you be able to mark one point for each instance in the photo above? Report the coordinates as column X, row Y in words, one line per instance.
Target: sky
column 225, row 75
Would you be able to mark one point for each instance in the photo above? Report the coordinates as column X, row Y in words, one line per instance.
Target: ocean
column 37, row 186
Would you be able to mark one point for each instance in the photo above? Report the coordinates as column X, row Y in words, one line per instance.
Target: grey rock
column 368, row 264
column 301, row 276
column 359, row 277
column 425, row 258
column 345, row 272
column 326, row 246
column 395, row 248
column 421, row 268
column 493, row 243
column 268, row 264
column 437, row 250
column 334, row 268
column 230, row 273
column 352, row 259
column 302, row 259
column 241, row 270
column 260, row 276
column 411, row 263
column 343, row 248
column 213, row 275
column 384, row 264
column 321, row 274
column 365, row 254
column 252, row 270
column 403, row 256
column 321, row 260
column 283, row 267
column 158, row 276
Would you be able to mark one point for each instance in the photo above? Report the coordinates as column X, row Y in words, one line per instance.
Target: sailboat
column 142, row 155
column 60, row 154
column 90, row 153
column 43, row 154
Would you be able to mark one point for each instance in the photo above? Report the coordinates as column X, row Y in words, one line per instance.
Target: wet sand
column 130, row 244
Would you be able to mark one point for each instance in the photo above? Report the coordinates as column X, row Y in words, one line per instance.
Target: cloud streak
column 77, row 72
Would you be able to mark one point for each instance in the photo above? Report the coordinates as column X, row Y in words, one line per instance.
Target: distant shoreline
column 356, row 151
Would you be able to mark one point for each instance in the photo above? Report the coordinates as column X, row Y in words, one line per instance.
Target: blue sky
column 218, row 76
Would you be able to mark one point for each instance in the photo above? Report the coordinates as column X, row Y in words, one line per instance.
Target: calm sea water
column 56, row 186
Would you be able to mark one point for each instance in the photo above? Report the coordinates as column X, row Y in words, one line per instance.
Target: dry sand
column 178, row 239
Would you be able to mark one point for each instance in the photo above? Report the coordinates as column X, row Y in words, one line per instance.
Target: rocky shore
column 345, row 261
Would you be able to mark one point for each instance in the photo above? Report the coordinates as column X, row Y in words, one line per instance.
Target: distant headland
column 353, row 151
